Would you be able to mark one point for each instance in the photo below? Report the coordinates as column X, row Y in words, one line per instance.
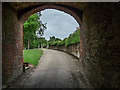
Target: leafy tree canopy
column 72, row 39
column 32, row 28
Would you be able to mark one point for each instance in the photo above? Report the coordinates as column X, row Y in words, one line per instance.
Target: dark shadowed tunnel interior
column 99, row 48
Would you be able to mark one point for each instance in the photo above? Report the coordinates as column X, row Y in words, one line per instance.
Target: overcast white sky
column 59, row 24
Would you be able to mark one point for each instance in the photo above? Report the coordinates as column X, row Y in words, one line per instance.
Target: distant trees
column 38, row 41
column 32, row 29
column 72, row 39
column 53, row 40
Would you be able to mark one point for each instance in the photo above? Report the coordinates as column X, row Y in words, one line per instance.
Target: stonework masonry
column 11, row 45
column 99, row 39
column 71, row 49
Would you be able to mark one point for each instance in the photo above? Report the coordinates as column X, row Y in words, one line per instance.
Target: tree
column 31, row 28
column 53, row 40
column 72, row 39
column 39, row 41
column 42, row 27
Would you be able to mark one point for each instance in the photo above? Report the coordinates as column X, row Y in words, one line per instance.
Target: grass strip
column 32, row 56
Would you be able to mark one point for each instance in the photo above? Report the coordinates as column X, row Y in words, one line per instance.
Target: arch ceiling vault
column 99, row 38
column 26, row 9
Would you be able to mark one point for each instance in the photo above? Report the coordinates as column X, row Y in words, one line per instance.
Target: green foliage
column 32, row 56
column 44, row 44
column 54, row 41
column 72, row 39
column 63, row 42
column 31, row 28
column 38, row 41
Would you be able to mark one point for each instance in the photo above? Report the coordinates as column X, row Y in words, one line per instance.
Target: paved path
column 53, row 71
column 56, row 69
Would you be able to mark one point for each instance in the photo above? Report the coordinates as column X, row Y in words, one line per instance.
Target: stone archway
column 77, row 17
column 14, row 67
column 24, row 17
column 100, row 43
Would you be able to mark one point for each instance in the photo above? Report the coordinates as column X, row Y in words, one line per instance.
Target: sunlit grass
column 32, row 56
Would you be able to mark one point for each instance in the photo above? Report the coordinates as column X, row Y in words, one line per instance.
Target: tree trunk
column 47, row 45
column 28, row 43
column 41, row 45
column 38, row 46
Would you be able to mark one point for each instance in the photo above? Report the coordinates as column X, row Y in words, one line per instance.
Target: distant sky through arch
column 59, row 24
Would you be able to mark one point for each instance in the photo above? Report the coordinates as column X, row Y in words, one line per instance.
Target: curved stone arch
column 24, row 17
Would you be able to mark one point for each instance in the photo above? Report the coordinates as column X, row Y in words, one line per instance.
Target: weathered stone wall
column 100, row 45
column 99, row 42
column 100, row 49
column 11, row 44
column 72, row 49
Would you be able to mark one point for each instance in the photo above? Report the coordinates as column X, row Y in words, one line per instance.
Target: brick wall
column 11, row 44
column 99, row 43
column 100, row 39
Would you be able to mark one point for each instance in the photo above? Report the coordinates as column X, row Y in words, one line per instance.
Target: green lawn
column 32, row 56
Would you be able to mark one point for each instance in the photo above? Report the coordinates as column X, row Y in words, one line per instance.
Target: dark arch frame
column 75, row 13
column 25, row 15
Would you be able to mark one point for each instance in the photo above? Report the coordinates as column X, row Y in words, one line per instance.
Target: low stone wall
column 72, row 49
